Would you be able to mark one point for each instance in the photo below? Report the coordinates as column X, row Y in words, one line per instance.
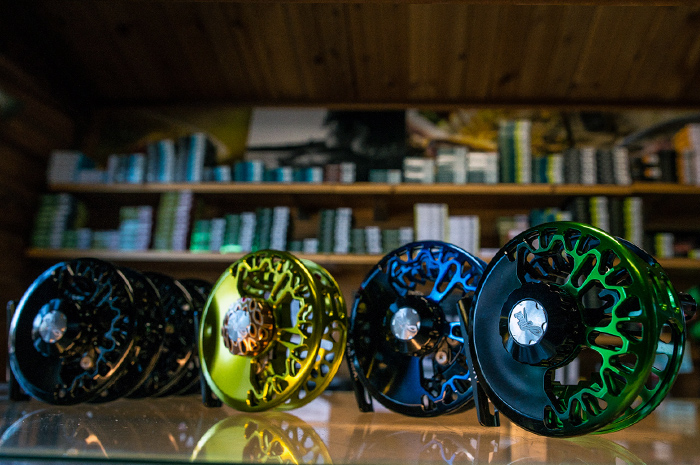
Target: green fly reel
column 565, row 295
column 273, row 332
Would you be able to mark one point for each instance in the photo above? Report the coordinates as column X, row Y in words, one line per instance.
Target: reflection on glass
column 273, row 437
column 127, row 430
column 443, row 441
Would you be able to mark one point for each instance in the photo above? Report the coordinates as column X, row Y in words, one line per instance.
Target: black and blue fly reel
column 405, row 341
column 87, row 330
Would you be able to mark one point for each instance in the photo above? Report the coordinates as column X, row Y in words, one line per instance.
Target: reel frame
column 623, row 299
column 304, row 350
column 405, row 342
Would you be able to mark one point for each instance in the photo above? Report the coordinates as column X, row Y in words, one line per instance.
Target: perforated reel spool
column 149, row 335
column 73, row 333
column 272, row 333
column 564, row 292
column 405, row 342
column 179, row 343
column 199, row 290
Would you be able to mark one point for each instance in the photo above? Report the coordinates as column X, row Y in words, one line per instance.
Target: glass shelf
column 328, row 430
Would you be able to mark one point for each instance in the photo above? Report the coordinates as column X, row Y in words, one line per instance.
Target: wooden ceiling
column 152, row 52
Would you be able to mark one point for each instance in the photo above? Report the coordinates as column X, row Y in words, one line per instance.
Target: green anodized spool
column 565, row 292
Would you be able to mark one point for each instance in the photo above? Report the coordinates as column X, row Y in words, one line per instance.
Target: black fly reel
column 567, row 298
column 406, row 343
column 89, row 331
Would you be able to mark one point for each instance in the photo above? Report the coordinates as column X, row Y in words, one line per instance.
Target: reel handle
column 208, row 397
column 14, row 390
column 481, row 400
column 688, row 305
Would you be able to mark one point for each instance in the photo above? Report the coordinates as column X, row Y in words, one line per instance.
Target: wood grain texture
column 381, row 53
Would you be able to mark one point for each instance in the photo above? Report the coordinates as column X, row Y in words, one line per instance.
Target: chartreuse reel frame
column 272, row 333
column 565, row 291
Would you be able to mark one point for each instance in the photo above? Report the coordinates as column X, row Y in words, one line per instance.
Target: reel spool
column 272, row 333
column 176, row 360
column 199, row 290
column 74, row 332
column 149, row 337
column 405, row 342
column 565, row 292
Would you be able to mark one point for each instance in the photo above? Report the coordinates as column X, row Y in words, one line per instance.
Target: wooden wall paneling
column 26, row 137
column 579, row 83
column 632, row 38
column 239, row 81
column 332, row 24
column 541, row 40
column 455, row 51
column 364, row 51
column 17, row 167
column 483, row 37
column 37, row 111
column 686, row 49
column 394, row 53
column 601, row 71
column 124, row 29
column 87, row 40
column 186, row 31
column 380, row 53
column 658, row 78
column 261, row 80
column 276, row 56
column 656, row 39
column 22, row 179
column 320, row 33
column 305, row 33
column 513, row 24
column 424, row 61
column 436, row 39
column 179, row 80
column 574, row 26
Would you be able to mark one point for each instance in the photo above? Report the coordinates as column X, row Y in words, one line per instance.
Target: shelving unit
column 469, row 197
column 72, row 63
column 361, row 188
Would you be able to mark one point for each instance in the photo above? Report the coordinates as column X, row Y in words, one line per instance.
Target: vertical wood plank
column 105, row 70
column 575, row 24
column 513, row 23
column 187, row 36
column 237, row 77
column 482, row 50
column 123, row 29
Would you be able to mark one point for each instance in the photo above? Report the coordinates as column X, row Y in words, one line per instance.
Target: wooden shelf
column 156, row 256
column 366, row 188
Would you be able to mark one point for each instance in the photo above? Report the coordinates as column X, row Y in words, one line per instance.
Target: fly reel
column 78, row 330
column 566, row 294
column 405, row 342
column 177, row 357
column 89, row 331
column 272, row 333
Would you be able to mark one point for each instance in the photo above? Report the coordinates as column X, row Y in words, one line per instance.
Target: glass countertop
column 330, row 429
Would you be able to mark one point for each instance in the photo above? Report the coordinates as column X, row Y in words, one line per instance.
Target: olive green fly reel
column 273, row 332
